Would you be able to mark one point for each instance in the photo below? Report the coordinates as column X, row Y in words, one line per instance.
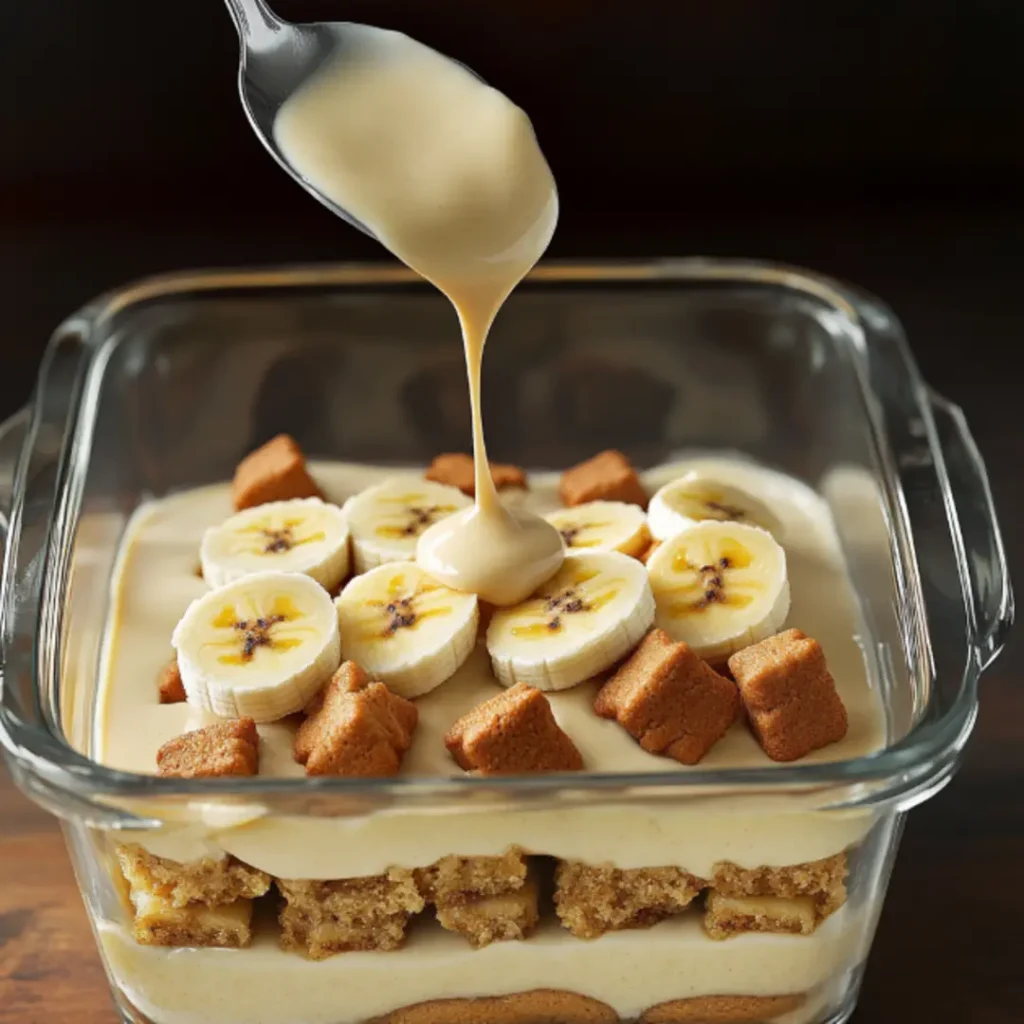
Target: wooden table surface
column 949, row 946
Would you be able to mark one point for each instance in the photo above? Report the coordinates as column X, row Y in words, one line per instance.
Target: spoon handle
column 256, row 23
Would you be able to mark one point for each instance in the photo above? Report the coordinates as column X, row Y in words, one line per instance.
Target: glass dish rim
column 918, row 763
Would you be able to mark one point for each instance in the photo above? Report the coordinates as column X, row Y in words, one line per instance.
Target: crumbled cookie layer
column 323, row 918
column 593, row 899
column 157, row 922
column 454, row 877
column 486, row 919
column 789, row 695
column 227, row 748
column 723, row 1009
column 485, row 899
column 456, row 469
column 608, row 476
column 210, row 882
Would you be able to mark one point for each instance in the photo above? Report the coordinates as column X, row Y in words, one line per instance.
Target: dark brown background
column 880, row 142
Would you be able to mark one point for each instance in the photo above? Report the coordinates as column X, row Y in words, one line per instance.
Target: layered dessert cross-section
column 742, row 651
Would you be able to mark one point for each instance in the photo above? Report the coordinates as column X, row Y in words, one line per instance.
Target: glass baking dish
column 165, row 384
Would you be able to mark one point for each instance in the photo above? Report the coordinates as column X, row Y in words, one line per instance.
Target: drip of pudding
column 447, row 173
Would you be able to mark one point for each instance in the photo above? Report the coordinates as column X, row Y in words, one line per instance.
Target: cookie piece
column 726, row 916
column 324, row 918
column 169, row 684
column 355, row 727
column 456, row 470
column 669, row 699
column 722, row 1009
column 514, row 732
column 454, row 877
column 608, row 476
column 210, row 881
column 275, row 472
column 823, row 880
column 157, row 922
column 651, row 548
column 538, row 1006
column 228, row 748
column 505, row 917
column 592, row 899
column 789, row 695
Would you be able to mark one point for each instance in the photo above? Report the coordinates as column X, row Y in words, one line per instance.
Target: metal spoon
column 277, row 58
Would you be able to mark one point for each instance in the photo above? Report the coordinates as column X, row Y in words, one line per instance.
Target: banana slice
column 720, row 587
column 603, row 526
column 694, row 498
column 260, row 646
column 405, row 628
column 386, row 520
column 591, row 613
column 305, row 535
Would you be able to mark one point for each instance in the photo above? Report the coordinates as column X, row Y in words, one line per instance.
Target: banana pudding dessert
column 370, row 633
column 733, row 645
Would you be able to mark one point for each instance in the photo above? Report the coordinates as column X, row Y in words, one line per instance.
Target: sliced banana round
column 720, row 587
column 603, row 526
column 304, row 535
column 695, row 498
column 260, row 646
column 591, row 613
column 405, row 628
column 387, row 519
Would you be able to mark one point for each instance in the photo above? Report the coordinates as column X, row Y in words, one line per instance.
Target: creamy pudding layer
column 630, row 971
column 156, row 579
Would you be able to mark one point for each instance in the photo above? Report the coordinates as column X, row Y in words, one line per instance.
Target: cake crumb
column 456, row 470
column 169, row 684
column 227, row 748
column 789, row 695
column 159, row 923
column 591, row 899
column 454, row 877
column 505, row 917
column 355, row 727
column 514, row 732
column 209, row 881
column 823, row 880
column 321, row 918
column 669, row 699
column 274, row 472
column 608, row 476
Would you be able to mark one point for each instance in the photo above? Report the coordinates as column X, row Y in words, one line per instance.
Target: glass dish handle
column 12, row 437
column 975, row 529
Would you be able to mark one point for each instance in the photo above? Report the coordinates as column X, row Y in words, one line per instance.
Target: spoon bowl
column 278, row 58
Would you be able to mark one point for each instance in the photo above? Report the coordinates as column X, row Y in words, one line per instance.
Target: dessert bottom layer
column 627, row 974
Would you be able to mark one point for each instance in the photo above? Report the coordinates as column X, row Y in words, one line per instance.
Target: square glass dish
column 726, row 892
